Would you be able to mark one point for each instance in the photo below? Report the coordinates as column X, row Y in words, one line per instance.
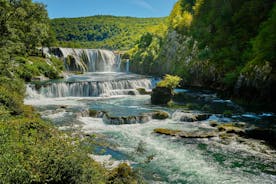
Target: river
column 158, row 158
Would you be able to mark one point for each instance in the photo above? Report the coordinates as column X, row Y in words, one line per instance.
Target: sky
column 133, row 8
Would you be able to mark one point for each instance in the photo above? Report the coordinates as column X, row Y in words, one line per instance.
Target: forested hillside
column 108, row 32
column 226, row 45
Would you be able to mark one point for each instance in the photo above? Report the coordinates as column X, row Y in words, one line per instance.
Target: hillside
column 108, row 32
column 222, row 45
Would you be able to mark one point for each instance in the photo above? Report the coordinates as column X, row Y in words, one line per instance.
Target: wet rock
column 190, row 117
column 161, row 96
column 91, row 113
column 167, row 131
column 266, row 134
column 143, row 91
column 133, row 93
column 213, row 123
column 117, row 120
column 185, row 134
column 160, row 115
column 231, row 128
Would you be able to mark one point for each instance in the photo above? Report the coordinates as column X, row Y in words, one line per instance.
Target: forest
column 226, row 45
column 109, row 32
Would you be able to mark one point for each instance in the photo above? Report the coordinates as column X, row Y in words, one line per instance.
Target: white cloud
column 143, row 4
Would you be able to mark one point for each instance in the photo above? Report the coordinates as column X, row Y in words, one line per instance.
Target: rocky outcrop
column 159, row 115
column 143, row 91
column 189, row 117
column 185, row 134
column 266, row 134
column 120, row 120
column 161, row 96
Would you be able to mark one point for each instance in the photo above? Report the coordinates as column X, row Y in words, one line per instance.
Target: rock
column 131, row 93
column 200, row 134
column 161, row 96
column 189, row 117
column 266, row 134
column 167, row 131
column 91, row 113
column 160, row 115
column 40, row 78
column 142, row 91
column 230, row 128
column 125, row 120
column 185, row 134
column 213, row 123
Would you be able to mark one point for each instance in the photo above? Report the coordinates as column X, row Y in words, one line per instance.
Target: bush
column 123, row 174
column 169, row 81
column 12, row 93
column 31, row 151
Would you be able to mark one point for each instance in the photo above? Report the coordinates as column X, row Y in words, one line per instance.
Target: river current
column 157, row 158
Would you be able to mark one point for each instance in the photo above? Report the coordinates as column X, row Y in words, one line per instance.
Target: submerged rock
column 185, row 134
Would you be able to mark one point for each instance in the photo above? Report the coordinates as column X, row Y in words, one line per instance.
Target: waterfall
column 90, row 88
column 87, row 60
column 127, row 66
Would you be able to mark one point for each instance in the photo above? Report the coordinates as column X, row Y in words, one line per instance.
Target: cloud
column 143, row 4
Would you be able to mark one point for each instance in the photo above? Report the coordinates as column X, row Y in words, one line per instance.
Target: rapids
column 158, row 158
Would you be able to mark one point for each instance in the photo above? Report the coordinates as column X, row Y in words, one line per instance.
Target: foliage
column 34, row 152
column 108, row 32
column 24, row 26
column 30, row 67
column 223, row 45
column 122, row 175
column 169, row 81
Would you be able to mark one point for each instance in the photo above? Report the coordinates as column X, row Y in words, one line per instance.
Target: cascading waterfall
column 90, row 88
column 87, row 60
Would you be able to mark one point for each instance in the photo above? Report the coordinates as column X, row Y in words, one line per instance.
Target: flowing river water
column 158, row 158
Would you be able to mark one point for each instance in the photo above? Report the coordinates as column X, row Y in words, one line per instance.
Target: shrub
column 169, row 81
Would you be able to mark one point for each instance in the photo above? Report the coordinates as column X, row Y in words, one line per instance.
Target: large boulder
column 161, row 95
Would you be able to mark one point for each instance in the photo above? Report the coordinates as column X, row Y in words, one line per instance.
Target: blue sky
column 134, row 8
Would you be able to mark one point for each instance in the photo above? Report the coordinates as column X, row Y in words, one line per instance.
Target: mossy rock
column 161, row 96
column 230, row 128
column 160, row 115
column 142, row 91
column 185, row 134
column 93, row 113
column 167, row 131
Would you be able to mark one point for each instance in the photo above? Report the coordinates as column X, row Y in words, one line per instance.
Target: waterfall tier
column 87, row 60
column 83, row 86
